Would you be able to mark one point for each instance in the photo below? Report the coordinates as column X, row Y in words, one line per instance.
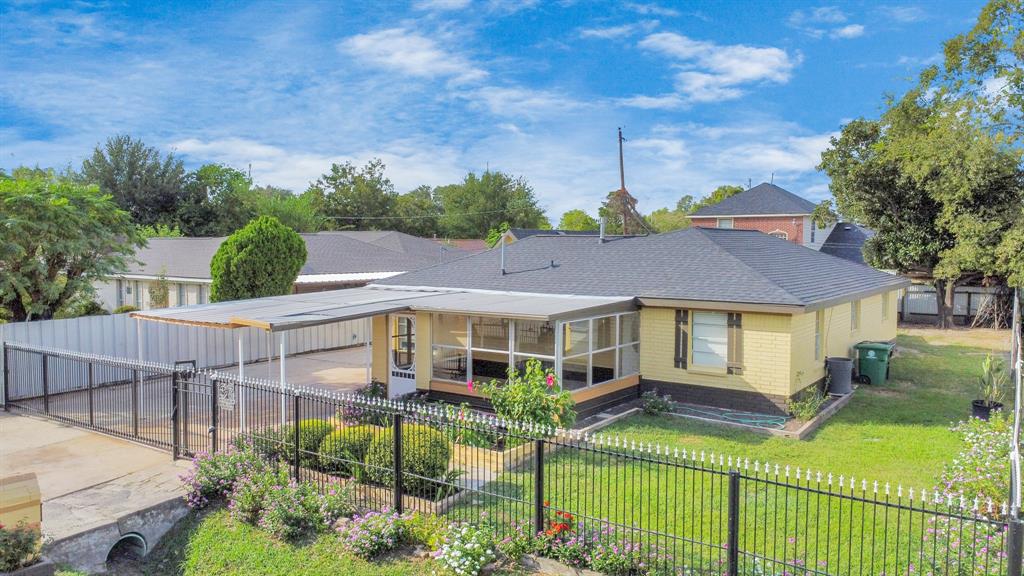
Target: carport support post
column 367, row 337
column 241, row 389
column 284, row 343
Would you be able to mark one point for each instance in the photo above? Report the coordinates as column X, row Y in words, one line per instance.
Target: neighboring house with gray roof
column 334, row 260
column 847, row 241
column 767, row 208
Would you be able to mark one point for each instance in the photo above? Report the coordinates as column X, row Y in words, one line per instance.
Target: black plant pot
column 982, row 409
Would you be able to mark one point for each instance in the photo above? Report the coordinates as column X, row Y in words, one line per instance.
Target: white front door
column 401, row 355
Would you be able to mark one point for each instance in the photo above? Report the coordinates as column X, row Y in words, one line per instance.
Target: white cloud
column 440, row 4
column 824, row 21
column 712, row 72
column 904, row 14
column 663, row 102
column 915, row 61
column 849, row 31
column 522, row 102
column 410, row 53
column 652, row 9
column 615, row 32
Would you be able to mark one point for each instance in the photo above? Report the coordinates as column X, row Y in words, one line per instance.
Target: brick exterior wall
column 791, row 225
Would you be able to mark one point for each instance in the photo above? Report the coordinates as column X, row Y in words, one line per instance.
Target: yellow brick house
column 731, row 318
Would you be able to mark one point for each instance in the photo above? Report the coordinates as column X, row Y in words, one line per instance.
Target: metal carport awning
column 295, row 311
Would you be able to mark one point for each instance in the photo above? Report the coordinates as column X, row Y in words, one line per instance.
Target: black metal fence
column 672, row 511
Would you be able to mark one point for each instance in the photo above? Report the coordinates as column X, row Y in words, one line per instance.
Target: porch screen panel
column 534, row 339
column 450, row 350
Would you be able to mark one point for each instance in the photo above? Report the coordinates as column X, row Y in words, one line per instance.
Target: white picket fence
column 124, row 337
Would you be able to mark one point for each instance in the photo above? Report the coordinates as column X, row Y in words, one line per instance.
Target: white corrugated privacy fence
column 919, row 300
column 119, row 335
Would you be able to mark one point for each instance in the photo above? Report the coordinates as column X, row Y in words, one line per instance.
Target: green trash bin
column 873, row 361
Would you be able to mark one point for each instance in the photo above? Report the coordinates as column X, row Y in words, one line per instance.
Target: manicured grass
column 897, row 433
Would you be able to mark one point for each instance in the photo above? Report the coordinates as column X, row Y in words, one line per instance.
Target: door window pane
column 602, row 367
column 403, row 342
column 490, row 333
column 450, row 329
column 710, row 339
column 535, row 337
column 577, row 338
column 604, row 332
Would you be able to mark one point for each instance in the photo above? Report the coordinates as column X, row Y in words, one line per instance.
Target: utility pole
column 622, row 165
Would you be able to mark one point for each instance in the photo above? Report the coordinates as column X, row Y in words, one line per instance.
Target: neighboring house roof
column 467, row 244
column 847, row 241
column 697, row 264
column 356, row 255
column 520, row 233
column 761, row 200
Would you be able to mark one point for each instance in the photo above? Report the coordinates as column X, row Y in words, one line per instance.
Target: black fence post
column 7, row 379
column 135, row 403
column 46, row 384
column 733, row 551
column 1015, row 546
column 92, row 383
column 175, row 417
column 213, row 415
column 538, row 486
column 297, row 436
column 396, row 428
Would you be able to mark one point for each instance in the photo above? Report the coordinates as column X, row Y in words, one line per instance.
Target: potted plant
column 991, row 387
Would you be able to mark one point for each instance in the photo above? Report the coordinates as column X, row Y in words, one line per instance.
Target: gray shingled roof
column 342, row 252
column 520, row 233
column 762, row 199
column 847, row 241
column 693, row 264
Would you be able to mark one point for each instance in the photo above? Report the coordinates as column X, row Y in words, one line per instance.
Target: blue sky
column 708, row 93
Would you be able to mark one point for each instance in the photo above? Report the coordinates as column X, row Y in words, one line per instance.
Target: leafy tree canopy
column 716, row 196
column 57, row 237
column 262, row 259
column 665, row 220
column 578, row 220
column 353, row 197
column 141, row 180
column 418, row 212
column 479, row 203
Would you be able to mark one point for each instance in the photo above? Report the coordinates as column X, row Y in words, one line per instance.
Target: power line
column 416, row 217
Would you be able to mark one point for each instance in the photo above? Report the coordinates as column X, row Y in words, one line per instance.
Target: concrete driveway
column 335, row 370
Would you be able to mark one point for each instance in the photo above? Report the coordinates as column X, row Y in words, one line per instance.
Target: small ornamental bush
column 533, row 396
column 271, row 443
column 311, row 433
column 808, row 404
column 425, row 529
column 615, row 559
column 425, row 455
column 291, row 511
column 343, row 451
column 655, row 405
column 212, row 477
column 20, row 546
column 249, row 495
column 372, row 534
column 336, row 501
column 519, row 543
column 466, row 550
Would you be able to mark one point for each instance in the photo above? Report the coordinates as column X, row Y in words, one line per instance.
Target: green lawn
column 897, row 433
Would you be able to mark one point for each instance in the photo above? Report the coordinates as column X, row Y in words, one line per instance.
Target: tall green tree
column 262, row 259
column 352, row 197
column 480, row 203
column 417, row 212
column 142, row 181
column 716, row 196
column 578, row 220
column 940, row 192
column 57, row 237
column 665, row 220
column 295, row 212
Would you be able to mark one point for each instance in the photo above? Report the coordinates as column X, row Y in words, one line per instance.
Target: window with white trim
column 710, row 336
column 599, row 350
column 450, row 347
column 780, row 234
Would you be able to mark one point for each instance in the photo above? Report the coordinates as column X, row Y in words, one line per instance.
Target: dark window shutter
column 734, row 362
column 682, row 337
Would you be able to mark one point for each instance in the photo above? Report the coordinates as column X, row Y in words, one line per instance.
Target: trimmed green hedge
column 425, row 453
column 342, row 449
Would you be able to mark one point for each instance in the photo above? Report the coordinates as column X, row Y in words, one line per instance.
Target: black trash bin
column 840, row 371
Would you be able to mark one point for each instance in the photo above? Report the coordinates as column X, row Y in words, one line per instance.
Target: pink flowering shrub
column 212, row 477
column 291, row 511
column 982, row 467
column 531, row 396
column 373, row 533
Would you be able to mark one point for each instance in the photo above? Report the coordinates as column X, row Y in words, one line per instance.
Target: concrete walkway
column 336, row 370
column 94, row 488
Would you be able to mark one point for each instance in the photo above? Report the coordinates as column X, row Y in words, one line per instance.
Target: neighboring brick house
column 766, row 208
